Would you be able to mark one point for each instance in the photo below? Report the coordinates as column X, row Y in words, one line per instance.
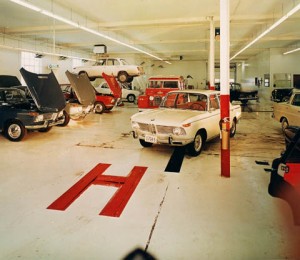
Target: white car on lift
column 117, row 67
column 128, row 93
column 185, row 118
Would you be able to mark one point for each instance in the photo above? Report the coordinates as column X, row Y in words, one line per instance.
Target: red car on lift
column 157, row 88
column 285, row 173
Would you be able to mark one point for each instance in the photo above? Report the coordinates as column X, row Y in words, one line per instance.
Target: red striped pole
column 225, row 94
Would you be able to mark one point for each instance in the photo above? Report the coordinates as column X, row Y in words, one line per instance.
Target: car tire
column 195, row 148
column 15, row 131
column 145, row 144
column 66, row 119
column 99, row 107
column 284, row 124
column 233, row 128
column 123, row 77
column 131, row 98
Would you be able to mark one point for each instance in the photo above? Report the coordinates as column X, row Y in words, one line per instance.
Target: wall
column 10, row 62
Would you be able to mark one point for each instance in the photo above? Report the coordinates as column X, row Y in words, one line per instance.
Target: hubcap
column 198, row 143
column 14, row 131
column 98, row 108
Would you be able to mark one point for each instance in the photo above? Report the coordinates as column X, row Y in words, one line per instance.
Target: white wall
column 10, row 62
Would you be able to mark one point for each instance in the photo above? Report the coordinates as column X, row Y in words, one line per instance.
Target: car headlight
column 112, row 101
column 178, row 131
column 151, row 98
column 134, row 124
column 39, row 118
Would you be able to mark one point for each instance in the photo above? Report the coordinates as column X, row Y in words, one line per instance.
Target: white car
column 127, row 93
column 117, row 67
column 288, row 113
column 185, row 117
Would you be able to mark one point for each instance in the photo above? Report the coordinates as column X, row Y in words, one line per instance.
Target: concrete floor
column 193, row 214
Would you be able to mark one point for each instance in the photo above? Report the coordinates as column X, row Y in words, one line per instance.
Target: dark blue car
column 39, row 106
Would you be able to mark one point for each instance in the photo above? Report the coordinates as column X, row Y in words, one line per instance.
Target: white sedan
column 117, row 67
column 185, row 117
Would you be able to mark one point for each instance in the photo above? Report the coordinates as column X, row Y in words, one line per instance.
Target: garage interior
column 190, row 214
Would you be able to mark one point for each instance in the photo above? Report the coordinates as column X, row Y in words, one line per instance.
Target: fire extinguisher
column 225, row 132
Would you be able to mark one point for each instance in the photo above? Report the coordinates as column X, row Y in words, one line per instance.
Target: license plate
column 151, row 139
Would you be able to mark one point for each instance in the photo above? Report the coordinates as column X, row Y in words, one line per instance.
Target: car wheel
column 123, row 76
column 15, row 131
column 284, row 124
column 145, row 144
column 233, row 128
column 45, row 130
column 66, row 119
column 195, row 148
column 99, row 108
column 131, row 98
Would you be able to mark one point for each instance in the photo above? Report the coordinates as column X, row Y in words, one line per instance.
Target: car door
column 214, row 112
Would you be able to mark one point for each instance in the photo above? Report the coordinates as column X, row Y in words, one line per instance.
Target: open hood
column 82, row 87
column 45, row 91
column 113, row 85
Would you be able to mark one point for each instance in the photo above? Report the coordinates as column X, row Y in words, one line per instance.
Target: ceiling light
column 67, row 21
column 288, row 52
column 281, row 20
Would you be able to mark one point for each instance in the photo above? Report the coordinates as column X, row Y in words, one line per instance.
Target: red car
column 157, row 88
column 82, row 98
column 285, row 173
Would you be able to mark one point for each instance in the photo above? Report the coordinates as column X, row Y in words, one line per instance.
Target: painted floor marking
column 114, row 208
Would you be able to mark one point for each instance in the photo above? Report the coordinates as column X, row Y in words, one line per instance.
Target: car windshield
column 186, row 101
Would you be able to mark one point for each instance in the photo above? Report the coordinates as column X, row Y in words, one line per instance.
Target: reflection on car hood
column 113, row 85
column 167, row 116
column 82, row 87
column 45, row 91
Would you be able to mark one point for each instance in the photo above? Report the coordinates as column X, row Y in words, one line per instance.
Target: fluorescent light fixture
column 67, row 21
column 281, row 20
column 288, row 52
column 44, row 52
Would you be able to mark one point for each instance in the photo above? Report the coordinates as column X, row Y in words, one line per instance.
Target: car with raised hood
column 288, row 113
column 82, row 98
column 42, row 107
column 116, row 67
column 185, row 118
column 285, row 173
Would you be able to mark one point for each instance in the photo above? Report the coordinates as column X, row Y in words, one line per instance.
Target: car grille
column 153, row 129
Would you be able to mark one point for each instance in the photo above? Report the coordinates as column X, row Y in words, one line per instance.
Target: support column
column 211, row 61
column 224, row 85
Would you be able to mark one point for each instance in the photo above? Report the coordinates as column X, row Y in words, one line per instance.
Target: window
column 76, row 63
column 30, row 63
column 296, row 100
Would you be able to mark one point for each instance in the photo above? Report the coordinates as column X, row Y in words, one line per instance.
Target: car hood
column 165, row 116
column 113, row 85
column 45, row 91
column 82, row 87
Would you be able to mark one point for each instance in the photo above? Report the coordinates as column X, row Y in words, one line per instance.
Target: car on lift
column 128, row 93
column 241, row 92
column 288, row 113
column 43, row 109
column 285, row 173
column 117, row 67
column 185, row 118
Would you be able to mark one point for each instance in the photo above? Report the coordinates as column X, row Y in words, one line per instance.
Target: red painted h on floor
column 126, row 186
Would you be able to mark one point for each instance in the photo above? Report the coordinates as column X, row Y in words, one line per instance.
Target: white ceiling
column 168, row 28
